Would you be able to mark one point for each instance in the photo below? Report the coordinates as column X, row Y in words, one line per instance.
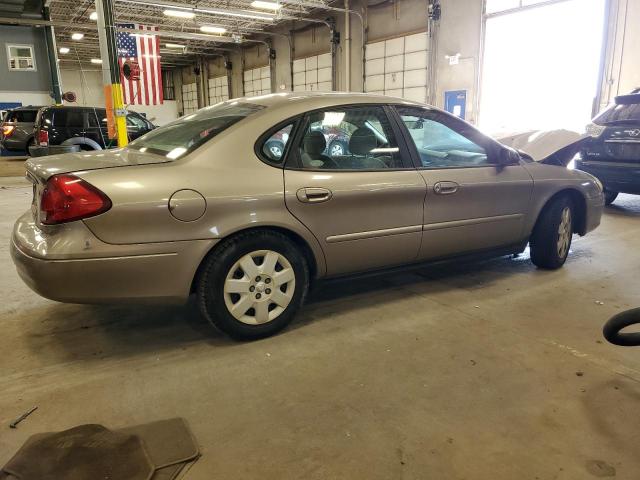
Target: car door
column 365, row 207
column 474, row 200
column 93, row 131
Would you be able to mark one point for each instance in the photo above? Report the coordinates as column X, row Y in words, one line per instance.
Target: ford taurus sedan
column 203, row 206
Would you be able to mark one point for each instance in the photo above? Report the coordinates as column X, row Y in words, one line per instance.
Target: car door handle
column 313, row 194
column 445, row 188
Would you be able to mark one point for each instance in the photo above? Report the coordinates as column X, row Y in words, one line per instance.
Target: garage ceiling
column 244, row 26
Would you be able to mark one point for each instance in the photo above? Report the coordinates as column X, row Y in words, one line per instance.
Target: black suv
column 613, row 152
column 83, row 126
column 17, row 128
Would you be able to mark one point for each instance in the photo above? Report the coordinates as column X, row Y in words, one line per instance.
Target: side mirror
column 508, row 156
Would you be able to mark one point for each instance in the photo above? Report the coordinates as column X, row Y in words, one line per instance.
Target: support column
column 111, row 72
column 52, row 54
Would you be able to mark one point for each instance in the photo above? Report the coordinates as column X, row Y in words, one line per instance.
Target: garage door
column 189, row 98
column 218, row 89
column 257, row 81
column 312, row 73
column 398, row 67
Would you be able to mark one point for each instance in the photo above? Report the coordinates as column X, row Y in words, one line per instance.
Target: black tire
column 545, row 239
column 610, row 197
column 30, row 143
column 612, row 328
column 210, row 286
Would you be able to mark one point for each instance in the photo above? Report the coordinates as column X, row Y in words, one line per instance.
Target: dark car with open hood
column 612, row 154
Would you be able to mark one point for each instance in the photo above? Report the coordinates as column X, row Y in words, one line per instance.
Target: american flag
column 144, row 48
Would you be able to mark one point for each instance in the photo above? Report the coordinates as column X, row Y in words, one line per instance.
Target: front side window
column 136, row 122
column 274, row 146
column 438, row 144
column 184, row 135
column 351, row 138
column 21, row 57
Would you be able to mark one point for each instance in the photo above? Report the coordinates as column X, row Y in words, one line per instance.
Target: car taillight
column 67, row 198
column 43, row 138
column 7, row 130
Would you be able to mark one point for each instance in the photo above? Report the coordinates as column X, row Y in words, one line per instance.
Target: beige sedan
column 207, row 206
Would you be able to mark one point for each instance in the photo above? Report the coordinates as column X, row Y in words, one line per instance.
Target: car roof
column 327, row 98
column 26, row 107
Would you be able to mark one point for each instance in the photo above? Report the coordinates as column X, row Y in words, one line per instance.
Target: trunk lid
column 39, row 169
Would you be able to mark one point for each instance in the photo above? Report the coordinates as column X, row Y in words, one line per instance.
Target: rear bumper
column 70, row 264
column 615, row 176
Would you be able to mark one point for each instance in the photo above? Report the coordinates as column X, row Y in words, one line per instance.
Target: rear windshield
column 620, row 114
column 178, row 138
column 22, row 116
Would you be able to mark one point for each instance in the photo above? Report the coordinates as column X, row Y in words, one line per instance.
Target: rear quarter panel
column 240, row 192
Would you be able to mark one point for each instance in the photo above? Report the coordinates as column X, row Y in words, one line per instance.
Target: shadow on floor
column 63, row 332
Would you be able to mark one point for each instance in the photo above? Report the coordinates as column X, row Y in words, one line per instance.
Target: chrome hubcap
column 564, row 232
column 259, row 287
column 276, row 151
column 336, row 150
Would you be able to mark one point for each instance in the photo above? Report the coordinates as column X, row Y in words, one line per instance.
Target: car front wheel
column 253, row 284
column 551, row 238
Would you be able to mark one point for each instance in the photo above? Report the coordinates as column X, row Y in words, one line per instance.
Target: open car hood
column 551, row 147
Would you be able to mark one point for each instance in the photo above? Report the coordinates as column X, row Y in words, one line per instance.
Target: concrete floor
column 492, row 370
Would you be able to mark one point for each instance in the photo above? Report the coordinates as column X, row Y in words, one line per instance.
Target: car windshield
column 627, row 112
column 178, row 138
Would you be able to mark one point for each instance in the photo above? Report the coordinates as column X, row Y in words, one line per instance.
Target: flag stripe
column 144, row 49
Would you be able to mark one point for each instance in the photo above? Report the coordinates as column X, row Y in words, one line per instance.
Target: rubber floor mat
column 82, row 453
column 167, row 441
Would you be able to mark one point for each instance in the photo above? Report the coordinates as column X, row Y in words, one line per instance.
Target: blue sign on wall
column 9, row 105
column 455, row 102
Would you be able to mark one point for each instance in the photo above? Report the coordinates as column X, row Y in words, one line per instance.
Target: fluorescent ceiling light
column 63, row 50
column 266, row 5
column 212, row 29
column 143, row 35
column 93, row 16
column 179, row 13
column 96, row 60
column 173, row 45
column 77, row 36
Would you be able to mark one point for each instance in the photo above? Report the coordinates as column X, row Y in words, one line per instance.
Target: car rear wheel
column 551, row 238
column 337, row 149
column 610, row 197
column 253, row 284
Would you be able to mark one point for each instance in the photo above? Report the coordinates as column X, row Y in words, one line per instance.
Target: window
column 274, row 146
column 352, row 138
column 22, row 116
column 184, row 135
column 440, row 146
column 494, row 6
column 68, row 118
column 136, row 123
column 21, row 57
column 168, row 90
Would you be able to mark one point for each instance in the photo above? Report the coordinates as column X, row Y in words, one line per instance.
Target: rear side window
column 68, row 118
column 275, row 144
column 22, row 116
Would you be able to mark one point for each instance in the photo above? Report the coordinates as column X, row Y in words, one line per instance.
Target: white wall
column 26, row 98
column 88, row 88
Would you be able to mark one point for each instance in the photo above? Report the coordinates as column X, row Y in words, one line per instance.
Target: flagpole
column 116, row 112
